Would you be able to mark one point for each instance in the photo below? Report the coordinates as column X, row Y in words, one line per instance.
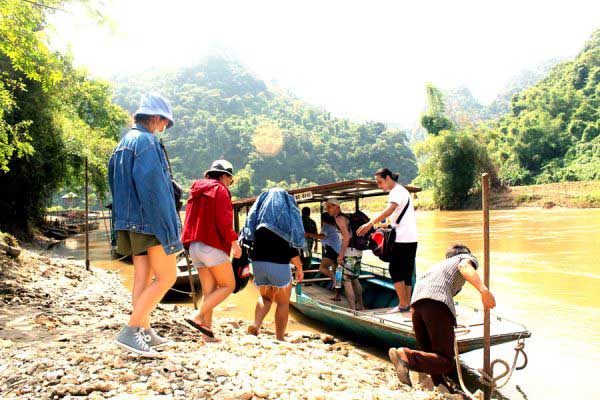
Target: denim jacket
column 141, row 188
column 277, row 211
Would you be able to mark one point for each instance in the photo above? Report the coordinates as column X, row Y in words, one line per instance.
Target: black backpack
column 241, row 267
column 382, row 241
column 356, row 220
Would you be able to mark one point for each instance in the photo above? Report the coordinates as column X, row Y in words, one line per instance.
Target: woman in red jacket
column 209, row 236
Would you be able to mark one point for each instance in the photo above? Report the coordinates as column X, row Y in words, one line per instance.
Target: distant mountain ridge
column 466, row 110
column 271, row 137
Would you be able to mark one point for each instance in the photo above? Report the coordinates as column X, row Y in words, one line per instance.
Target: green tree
column 435, row 120
column 452, row 162
column 52, row 117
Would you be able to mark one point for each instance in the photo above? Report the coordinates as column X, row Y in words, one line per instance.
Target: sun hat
column 155, row 104
column 221, row 166
column 333, row 201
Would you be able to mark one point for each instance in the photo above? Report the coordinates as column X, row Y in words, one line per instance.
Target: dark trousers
column 434, row 324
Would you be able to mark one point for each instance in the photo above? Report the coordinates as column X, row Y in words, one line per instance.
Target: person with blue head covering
column 274, row 226
column 145, row 218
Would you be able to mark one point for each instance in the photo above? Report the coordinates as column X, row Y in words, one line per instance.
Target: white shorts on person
column 204, row 255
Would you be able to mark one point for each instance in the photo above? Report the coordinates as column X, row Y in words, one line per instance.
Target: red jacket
column 209, row 216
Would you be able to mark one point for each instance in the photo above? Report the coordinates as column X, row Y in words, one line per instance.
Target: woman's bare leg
column 208, row 285
column 282, row 300
column 223, row 282
column 324, row 268
column 401, row 292
column 165, row 270
column 142, row 278
column 263, row 305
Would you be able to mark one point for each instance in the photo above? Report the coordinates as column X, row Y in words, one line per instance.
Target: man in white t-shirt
column 402, row 216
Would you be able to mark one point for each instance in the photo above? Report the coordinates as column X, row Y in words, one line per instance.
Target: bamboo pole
column 485, row 185
column 87, row 228
column 191, row 279
column 104, row 220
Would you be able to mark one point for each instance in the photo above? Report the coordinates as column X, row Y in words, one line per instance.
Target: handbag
column 382, row 240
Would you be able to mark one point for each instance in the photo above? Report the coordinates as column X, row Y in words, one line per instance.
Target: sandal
column 201, row 327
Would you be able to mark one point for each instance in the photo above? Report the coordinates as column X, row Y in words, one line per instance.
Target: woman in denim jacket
column 275, row 226
column 145, row 219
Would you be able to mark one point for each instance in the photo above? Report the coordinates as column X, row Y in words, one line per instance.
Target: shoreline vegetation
column 57, row 323
column 551, row 195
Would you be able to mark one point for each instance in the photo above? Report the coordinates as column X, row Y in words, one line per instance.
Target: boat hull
column 376, row 327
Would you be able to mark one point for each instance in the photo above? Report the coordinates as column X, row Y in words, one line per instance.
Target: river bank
column 57, row 322
column 550, row 195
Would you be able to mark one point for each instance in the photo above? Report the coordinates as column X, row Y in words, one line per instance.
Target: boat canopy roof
column 343, row 191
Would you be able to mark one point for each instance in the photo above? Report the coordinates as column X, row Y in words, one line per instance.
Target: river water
column 545, row 274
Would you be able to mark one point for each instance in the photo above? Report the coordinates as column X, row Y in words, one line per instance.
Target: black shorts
column 402, row 264
column 330, row 253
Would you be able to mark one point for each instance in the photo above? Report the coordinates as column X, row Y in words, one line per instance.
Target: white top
column 406, row 230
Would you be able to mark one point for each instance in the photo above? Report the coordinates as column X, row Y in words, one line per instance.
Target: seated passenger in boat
column 349, row 258
column 330, row 243
column 434, row 315
column 310, row 230
column 275, row 227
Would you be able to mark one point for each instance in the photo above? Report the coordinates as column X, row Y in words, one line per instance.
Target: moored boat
column 379, row 296
column 391, row 330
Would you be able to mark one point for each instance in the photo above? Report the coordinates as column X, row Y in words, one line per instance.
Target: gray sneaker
column 154, row 340
column 133, row 339
column 401, row 367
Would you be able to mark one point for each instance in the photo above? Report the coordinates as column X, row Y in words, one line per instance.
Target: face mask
column 157, row 132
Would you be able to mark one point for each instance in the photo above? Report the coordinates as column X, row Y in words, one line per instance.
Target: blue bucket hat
column 155, row 104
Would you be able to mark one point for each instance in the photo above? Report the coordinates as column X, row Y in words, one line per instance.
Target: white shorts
column 204, row 255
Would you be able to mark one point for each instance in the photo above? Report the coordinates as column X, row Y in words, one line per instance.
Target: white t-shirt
column 406, row 230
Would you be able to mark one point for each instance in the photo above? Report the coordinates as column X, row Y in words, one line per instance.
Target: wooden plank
column 324, row 295
column 329, row 279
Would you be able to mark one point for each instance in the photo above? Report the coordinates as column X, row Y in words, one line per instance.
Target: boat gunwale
column 395, row 326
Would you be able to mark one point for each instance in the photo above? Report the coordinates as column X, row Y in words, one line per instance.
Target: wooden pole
column 104, row 220
column 188, row 260
column 87, row 228
column 485, row 185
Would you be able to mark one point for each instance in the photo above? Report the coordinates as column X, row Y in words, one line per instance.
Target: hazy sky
column 363, row 60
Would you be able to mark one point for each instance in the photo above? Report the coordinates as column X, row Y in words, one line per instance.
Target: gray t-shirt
column 442, row 282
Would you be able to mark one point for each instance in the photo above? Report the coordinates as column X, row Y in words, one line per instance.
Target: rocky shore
column 57, row 322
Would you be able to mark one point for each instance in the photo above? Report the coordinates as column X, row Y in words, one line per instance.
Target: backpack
column 356, row 220
column 241, row 267
column 382, row 241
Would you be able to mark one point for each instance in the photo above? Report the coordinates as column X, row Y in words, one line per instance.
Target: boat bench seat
column 381, row 282
column 329, row 279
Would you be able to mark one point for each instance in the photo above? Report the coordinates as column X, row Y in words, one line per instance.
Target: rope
column 508, row 371
column 181, row 291
column 488, row 380
column 478, row 394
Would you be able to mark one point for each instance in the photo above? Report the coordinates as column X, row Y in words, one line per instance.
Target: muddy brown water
column 545, row 274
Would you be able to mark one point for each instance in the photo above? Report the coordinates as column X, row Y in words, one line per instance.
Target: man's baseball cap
column 333, row 201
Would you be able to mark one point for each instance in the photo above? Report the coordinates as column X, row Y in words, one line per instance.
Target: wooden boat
column 391, row 330
column 379, row 296
column 56, row 232
column 181, row 290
